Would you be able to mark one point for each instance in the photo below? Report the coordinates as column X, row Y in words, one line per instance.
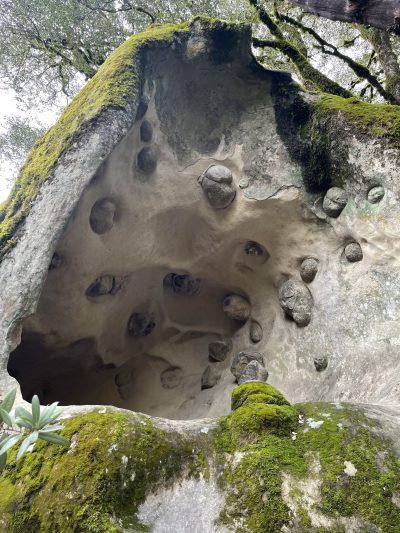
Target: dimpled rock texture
column 145, row 346
column 296, row 300
column 173, row 257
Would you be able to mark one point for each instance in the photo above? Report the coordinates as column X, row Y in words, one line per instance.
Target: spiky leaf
column 6, row 417
column 30, row 439
column 53, row 438
column 8, row 443
column 8, row 402
column 35, row 410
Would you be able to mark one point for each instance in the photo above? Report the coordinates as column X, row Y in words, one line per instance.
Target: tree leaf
column 8, row 402
column 8, row 443
column 53, row 437
column 35, row 410
column 6, row 417
column 30, row 439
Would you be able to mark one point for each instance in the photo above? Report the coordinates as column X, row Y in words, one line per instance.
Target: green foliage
column 27, row 426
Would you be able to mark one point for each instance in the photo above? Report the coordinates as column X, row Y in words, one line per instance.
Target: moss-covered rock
column 96, row 485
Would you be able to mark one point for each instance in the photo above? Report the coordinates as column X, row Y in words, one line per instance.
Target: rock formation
column 192, row 222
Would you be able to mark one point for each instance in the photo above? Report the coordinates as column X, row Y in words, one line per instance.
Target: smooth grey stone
column 146, row 131
column 335, row 201
column 256, row 332
column 210, row 377
column 320, row 363
column 182, row 283
column 106, row 284
column 219, row 350
column 253, row 248
column 219, row 174
column 236, row 307
column 56, row 261
column 147, row 160
column 218, row 186
column 376, row 194
column 141, row 324
column 297, row 301
column 353, row 252
column 253, row 371
column 123, row 378
column 171, row 377
column 242, row 359
column 309, row 269
column 102, row 216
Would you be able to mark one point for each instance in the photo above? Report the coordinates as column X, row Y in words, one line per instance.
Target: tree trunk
column 382, row 14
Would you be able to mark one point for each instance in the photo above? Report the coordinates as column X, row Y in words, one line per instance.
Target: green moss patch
column 97, row 485
column 380, row 120
column 260, row 445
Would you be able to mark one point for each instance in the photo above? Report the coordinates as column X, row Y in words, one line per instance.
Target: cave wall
column 195, row 194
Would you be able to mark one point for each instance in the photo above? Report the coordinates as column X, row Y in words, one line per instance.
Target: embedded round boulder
column 321, row 363
column 210, row 377
column 219, row 350
column 353, row 252
column 242, row 359
column 297, row 301
column 147, row 160
column 182, row 283
column 141, row 324
column 335, row 201
column 236, row 307
column 103, row 285
column 256, row 332
column 56, row 261
column 102, row 216
column 146, row 131
column 253, row 248
column 309, row 269
column 376, row 194
column 217, row 183
column 171, row 377
column 253, row 371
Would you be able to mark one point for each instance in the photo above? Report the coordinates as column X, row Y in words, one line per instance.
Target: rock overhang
column 201, row 160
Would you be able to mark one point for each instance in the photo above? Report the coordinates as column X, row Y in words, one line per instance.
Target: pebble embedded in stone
column 335, row 201
column 146, row 131
column 253, row 371
column 142, row 108
column 309, row 269
column 217, row 183
column 297, row 301
column 353, row 252
column 236, row 307
column 219, row 350
column 171, row 377
column 256, row 332
column 210, row 377
column 242, row 359
column 56, row 261
column 147, row 160
column 103, row 285
column 320, row 363
column 253, row 248
column 182, row 283
column 141, row 324
column 102, row 216
column 376, row 194
column 123, row 378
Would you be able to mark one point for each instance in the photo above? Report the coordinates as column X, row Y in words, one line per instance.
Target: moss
column 253, row 464
column 380, row 120
column 256, row 392
column 97, row 486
